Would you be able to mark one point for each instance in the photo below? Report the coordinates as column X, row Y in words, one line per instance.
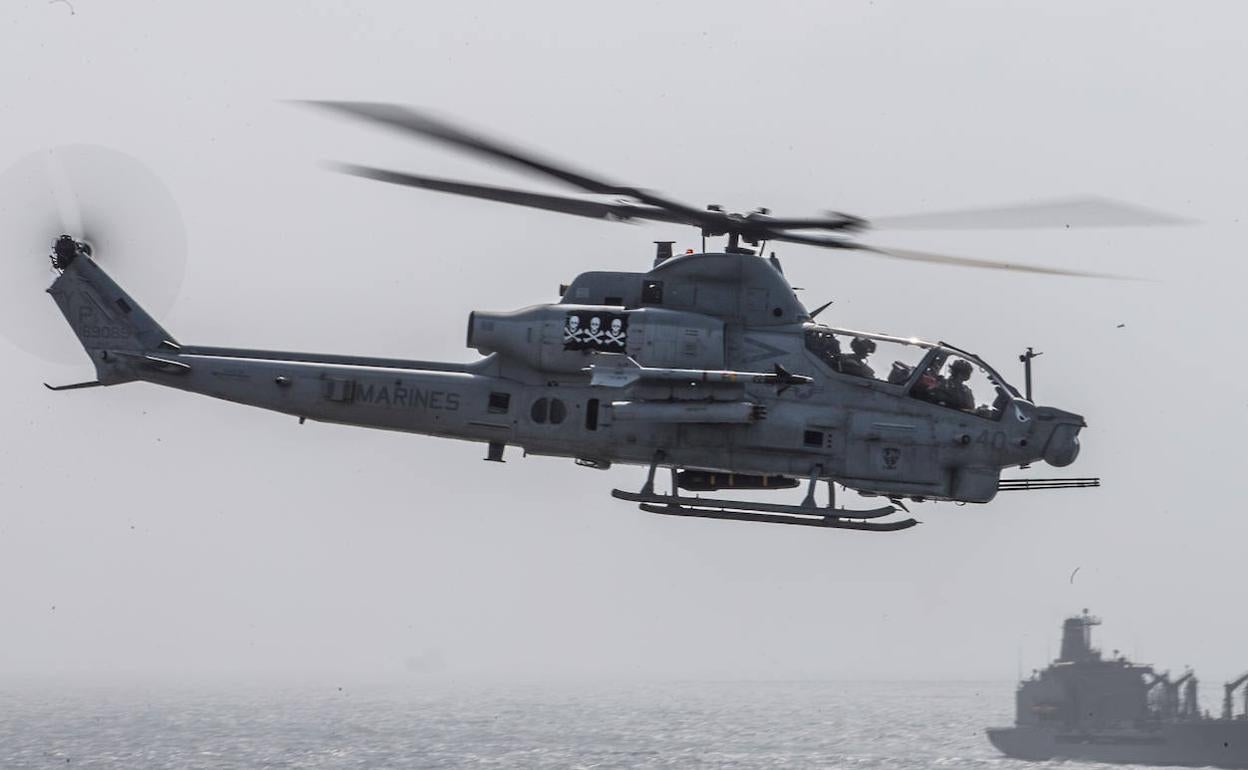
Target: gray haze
column 181, row 538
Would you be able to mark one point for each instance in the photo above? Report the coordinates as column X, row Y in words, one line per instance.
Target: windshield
column 960, row 382
column 872, row 356
column 938, row 374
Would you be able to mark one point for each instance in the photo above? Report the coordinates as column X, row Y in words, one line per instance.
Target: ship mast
column 1077, row 639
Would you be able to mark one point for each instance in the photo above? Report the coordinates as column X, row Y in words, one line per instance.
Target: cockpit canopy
column 932, row 372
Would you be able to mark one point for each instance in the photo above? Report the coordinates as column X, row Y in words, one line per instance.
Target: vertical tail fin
column 111, row 326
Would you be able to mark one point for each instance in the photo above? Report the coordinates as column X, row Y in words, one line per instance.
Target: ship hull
column 1203, row 743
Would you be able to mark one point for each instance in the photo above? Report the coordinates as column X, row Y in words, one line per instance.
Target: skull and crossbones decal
column 572, row 330
column 595, row 331
column 593, row 335
column 616, row 335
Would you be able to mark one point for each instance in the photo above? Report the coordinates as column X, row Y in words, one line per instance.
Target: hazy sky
column 181, row 537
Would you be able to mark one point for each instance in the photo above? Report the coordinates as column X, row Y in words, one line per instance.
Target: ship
column 1084, row 706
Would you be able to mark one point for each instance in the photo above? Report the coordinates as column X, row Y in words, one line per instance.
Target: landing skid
column 808, row 514
column 672, row 505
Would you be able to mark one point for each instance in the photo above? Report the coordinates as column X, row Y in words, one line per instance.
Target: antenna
column 1026, row 360
column 662, row 252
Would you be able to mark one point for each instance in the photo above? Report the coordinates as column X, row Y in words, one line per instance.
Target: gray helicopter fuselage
column 732, row 314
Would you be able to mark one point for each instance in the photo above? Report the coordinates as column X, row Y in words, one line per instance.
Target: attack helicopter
column 706, row 364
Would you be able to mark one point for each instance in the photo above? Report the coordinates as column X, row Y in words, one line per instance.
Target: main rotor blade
column 923, row 256
column 562, row 204
column 833, row 220
column 410, row 121
column 1066, row 212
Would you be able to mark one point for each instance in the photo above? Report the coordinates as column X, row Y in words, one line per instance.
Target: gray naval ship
column 1088, row 707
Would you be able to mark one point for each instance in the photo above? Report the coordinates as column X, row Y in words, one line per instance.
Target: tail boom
column 126, row 344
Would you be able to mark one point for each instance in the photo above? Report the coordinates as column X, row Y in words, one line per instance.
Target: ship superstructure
column 1109, row 709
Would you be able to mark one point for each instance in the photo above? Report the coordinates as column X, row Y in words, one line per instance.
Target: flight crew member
column 928, row 380
column 856, row 362
column 824, row 344
column 953, row 390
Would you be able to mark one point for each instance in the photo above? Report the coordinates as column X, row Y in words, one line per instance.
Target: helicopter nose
column 1062, row 447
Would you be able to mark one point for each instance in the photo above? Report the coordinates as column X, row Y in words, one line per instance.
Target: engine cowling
column 560, row 338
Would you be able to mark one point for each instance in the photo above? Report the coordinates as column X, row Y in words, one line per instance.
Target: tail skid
column 74, row 386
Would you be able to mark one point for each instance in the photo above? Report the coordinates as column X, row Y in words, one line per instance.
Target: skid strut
column 808, row 514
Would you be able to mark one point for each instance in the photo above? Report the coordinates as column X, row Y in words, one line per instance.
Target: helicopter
column 706, row 364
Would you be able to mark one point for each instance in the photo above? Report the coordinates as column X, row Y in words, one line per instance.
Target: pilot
column 856, row 362
column 928, row 380
column 824, row 345
column 953, row 390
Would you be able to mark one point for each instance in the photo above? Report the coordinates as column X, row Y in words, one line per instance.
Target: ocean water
column 854, row 725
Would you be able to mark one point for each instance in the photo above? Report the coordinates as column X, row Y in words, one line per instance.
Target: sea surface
column 856, row 725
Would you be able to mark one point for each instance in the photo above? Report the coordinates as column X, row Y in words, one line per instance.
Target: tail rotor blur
column 104, row 199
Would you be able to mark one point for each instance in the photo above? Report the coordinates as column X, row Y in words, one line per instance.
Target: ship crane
column 1230, row 687
column 1161, row 700
column 1171, row 706
column 1190, row 706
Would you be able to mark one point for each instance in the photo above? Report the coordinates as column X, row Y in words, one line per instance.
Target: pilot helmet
column 862, row 346
column 960, row 369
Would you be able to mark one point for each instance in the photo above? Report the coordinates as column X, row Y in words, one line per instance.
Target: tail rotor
column 104, row 203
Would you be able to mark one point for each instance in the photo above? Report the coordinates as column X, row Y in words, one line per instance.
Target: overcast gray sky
column 180, row 537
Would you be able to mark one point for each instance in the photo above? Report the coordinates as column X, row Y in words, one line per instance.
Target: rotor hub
column 64, row 250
